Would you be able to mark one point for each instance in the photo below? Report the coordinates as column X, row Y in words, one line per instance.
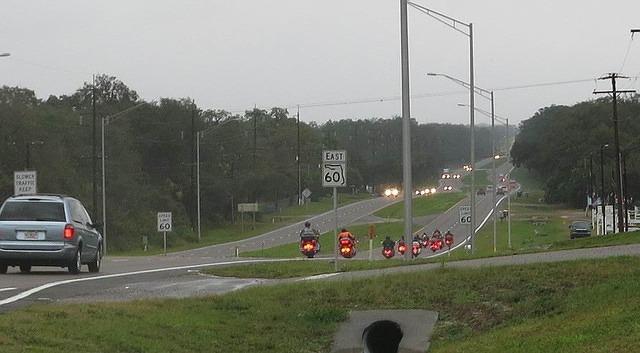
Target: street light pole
column 406, row 126
column 473, row 140
column 298, row 159
column 508, row 185
column 495, row 183
column 105, row 121
column 198, row 180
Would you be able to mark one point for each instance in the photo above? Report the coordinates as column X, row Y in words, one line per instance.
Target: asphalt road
column 14, row 282
column 176, row 275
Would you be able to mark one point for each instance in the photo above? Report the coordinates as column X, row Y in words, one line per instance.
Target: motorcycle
column 309, row 247
column 448, row 240
column 388, row 252
column 347, row 248
column 402, row 247
column 416, row 247
column 436, row 245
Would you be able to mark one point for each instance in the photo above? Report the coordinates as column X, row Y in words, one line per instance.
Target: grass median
column 581, row 306
column 233, row 232
column 423, row 205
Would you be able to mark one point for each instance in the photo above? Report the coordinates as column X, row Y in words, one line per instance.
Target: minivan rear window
column 33, row 211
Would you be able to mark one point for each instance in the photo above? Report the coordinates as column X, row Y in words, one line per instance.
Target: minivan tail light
column 69, row 231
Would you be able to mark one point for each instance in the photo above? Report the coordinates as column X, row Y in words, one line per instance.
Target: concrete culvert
column 382, row 337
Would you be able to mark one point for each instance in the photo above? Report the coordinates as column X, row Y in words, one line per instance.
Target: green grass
column 233, row 232
column 293, row 269
column 482, row 179
column 392, row 229
column 582, row 306
column 423, row 205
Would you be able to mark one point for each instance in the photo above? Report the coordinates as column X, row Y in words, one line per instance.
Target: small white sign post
column 244, row 208
column 334, row 174
column 164, row 226
column 465, row 214
column 465, row 218
column 25, row 183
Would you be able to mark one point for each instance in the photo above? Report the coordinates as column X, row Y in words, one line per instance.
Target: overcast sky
column 233, row 55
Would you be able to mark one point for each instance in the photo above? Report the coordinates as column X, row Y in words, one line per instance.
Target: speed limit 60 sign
column 164, row 221
column 465, row 214
column 334, row 168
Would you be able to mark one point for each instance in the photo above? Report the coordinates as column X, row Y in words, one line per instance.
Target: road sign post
column 334, row 174
column 465, row 218
column 164, row 225
column 372, row 234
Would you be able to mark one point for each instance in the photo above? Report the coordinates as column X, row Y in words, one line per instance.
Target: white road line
column 7, row 289
column 35, row 290
column 311, row 278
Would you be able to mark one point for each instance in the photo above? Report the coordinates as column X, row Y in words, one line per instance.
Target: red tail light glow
column 69, row 232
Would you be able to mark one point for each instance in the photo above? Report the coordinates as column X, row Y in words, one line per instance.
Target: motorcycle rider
column 309, row 233
column 388, row 243
column 344, row 233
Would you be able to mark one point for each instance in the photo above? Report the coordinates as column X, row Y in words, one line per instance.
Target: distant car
column 446, row 176
column 579, row 229
column 481, row 191
column 447, row 188
column 456, row 176
column 48, row 230
column 501, row 191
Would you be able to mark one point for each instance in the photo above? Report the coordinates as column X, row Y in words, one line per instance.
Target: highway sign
column 247, row 207
column 465, row 214
column 164, row 222
column 25, row 183
column 334, row 168
column 334, row 156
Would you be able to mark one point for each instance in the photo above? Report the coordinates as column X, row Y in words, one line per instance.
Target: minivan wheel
column 3, row 268
column 25, row 268
column 94, row 266
column 76, row 264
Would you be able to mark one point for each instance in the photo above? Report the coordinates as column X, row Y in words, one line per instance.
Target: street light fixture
column 5, row 54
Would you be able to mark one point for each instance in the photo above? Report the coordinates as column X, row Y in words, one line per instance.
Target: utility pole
column 406, row 127
column 193, row 165
column 94, row 152
column 298, row 159
column 616, row 142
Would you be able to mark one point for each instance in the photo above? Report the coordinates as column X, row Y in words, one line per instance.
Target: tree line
column 562, row 144
column 151, row 154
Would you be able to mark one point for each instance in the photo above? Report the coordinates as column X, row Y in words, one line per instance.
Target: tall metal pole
column 298, row 159
column 104, row 192
column 604, row 219
column 335, row 228
column 626, row 201
column 473, row 139
column 93, row 150
column 493, row 157
column 617, row 147
column 508, row 188
column 198, row 180
column 406, row 126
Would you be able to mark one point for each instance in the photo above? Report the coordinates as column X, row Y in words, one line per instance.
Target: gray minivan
column 48, row 230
